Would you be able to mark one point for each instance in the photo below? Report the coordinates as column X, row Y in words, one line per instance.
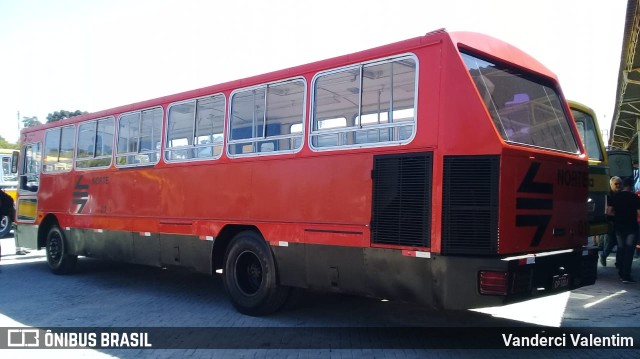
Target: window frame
column 502, row 124
column 113, row 141
column 255, row 140
column 357, row 127
column 158, row 152
column 167, row 149
column 44, row 154
column 589, row 138
column 23, row 165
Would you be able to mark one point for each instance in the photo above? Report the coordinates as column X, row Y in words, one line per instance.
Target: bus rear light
column 526, row 261
column 495, row 283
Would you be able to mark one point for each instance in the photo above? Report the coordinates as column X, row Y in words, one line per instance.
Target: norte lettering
column 573, row 178
column 100, row 180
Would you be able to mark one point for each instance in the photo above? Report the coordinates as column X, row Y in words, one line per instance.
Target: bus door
column 28, row 184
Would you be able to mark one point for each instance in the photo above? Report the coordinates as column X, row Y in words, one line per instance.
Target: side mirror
column 14, row 161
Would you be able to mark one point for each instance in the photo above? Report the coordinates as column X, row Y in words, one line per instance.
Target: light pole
column 18, row 126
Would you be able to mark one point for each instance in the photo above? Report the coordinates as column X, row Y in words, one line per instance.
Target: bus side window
column 260, row 117
column 267, row 147
column 137, row 133
column 364, row 105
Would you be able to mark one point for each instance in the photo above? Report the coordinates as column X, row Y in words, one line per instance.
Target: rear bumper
column 525, row 277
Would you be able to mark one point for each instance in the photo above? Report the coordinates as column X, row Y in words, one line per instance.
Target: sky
column 95, row 55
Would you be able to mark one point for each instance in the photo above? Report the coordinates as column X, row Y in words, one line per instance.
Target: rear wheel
column 250, row 276
column 60, row 262
column 5, row 226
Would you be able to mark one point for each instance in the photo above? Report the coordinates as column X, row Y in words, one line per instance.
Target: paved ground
column 104, row 294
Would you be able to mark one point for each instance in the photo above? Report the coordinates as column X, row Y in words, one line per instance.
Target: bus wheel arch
column 222, row 241
column 250, row 275
column 56, row 246
column 49, row 221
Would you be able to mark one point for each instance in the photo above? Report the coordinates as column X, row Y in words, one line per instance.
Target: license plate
column 560, row 281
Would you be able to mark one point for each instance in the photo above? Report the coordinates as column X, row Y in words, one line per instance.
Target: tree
column 30, row 121
column 6, row 144
column 62, row 114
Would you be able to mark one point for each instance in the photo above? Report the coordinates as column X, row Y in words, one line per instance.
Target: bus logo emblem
column 80, row 195
column 23, row 337
column 540, row 221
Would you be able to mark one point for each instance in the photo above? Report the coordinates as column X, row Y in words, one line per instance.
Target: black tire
column 250, row 277
column 60, row 262
column 5, row 226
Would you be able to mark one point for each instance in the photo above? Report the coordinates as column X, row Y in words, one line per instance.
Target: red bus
column 443, row 170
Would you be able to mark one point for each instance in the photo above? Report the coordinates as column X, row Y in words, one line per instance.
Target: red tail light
column 495, row 283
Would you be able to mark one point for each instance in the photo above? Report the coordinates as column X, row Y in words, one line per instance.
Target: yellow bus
column 9, row 184
column 589, row 130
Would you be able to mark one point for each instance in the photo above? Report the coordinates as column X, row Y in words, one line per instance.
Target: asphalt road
column 102, row 294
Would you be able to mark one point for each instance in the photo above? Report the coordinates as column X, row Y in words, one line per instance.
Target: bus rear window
column 524, row 111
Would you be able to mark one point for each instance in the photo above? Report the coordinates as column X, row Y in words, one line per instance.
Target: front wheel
column 60, row 262
column 5, row 226
column 250, row 276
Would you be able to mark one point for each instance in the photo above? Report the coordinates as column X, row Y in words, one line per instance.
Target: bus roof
column 490, row 46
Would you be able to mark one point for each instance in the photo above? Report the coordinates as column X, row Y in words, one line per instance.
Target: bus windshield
column 587, row 130
column 524, row 111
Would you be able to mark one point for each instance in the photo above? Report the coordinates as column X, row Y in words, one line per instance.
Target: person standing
column 625, row 209
column 615, row 184
column 6, row 210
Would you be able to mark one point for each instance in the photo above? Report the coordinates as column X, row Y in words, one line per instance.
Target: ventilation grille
column 470, row 205
column 402, row 199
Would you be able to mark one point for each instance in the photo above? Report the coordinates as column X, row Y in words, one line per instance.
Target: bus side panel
column 372, row 272
column 324, row 189
column 183, row 251
column 146, row 248
column 327, row 189
column 392, row 275
column 98, row 243
column 56, row 193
